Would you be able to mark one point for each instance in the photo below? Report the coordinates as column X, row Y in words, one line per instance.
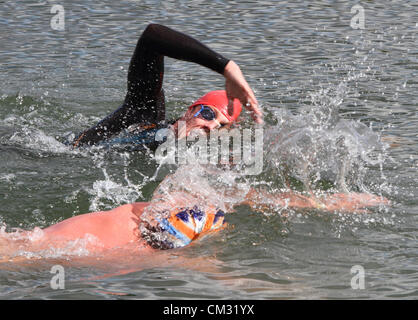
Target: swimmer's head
column 209, row 112
column 218, row 100
column 181, row 226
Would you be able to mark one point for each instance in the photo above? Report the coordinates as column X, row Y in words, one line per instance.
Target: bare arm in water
column 345, row 202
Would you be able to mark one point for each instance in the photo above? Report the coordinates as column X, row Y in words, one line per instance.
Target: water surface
column 303, row 60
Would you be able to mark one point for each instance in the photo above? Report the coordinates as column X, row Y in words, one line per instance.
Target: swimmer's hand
column 237, row 87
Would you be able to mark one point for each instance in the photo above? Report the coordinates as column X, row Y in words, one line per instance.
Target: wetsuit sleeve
column 174, row 44
column 144, row 101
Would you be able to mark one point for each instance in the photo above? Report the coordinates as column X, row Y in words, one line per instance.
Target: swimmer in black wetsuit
column 144, row 101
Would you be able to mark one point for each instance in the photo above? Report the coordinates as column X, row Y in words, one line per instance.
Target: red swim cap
column 219, row 100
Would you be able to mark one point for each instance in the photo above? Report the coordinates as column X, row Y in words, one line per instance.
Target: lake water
column 312, row 70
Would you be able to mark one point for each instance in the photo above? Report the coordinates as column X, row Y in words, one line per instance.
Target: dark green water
column 298, row 56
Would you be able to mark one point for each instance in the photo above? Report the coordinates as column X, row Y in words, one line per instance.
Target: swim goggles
column 206, row 112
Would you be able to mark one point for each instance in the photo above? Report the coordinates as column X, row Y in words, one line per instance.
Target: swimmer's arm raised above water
column 171, row 43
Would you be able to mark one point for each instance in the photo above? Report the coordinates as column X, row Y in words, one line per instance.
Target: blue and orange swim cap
column 182, row 227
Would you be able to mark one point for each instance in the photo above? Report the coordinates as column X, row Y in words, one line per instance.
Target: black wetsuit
column 144, row 101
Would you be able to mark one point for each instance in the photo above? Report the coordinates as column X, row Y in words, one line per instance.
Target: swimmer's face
column 195, row 121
